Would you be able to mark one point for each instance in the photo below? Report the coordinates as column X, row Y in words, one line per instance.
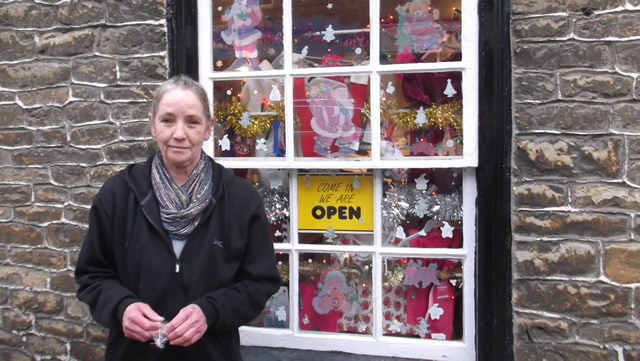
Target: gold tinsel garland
column 229, row 115
column 438, row 115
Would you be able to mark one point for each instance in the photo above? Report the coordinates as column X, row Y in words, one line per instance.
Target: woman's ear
column 209, row 129
column 152, row 126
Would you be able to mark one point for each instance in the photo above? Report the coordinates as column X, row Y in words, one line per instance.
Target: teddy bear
column 418, row 26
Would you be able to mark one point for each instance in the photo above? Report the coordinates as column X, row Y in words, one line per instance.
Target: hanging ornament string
column 436, row 115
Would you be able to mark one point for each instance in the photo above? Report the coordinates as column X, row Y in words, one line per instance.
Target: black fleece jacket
column 227, row 266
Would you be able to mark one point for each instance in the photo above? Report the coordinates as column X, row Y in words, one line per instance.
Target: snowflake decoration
column 422, row 208
column 396, row 326
column 435, row 311
column 219, row 63
column 261, row 144
column 271, row 51
column 244, row 120
column 447, row 230
column 423, row 327
column 421, row 182
column 330, row 6
column 219, row 8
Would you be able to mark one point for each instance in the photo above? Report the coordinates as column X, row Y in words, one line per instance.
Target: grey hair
column 183, row 82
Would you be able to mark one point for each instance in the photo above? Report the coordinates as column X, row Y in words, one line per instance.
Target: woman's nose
column 179, row 131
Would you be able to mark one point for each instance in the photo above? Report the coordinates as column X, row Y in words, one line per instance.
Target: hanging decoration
column 436, row 115
column 230, row 115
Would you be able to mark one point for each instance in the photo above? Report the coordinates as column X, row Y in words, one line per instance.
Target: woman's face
column 180, row 128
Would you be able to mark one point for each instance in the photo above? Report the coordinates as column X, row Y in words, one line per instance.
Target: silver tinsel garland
column 276, row 204
column 402, row 202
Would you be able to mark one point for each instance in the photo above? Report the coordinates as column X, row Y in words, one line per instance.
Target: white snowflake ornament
column 330, row 6
column 423, row 327
column 421, row 208
column 245, row 121
column 261, row 144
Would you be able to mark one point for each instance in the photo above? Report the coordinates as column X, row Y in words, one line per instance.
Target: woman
column 178, row 254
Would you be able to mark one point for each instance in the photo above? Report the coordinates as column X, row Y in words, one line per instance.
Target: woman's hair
column 183, row 82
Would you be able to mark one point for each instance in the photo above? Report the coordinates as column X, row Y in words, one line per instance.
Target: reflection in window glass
column 276, row 313
column 273, row 187
column 422, row 297
column 421, row 115
column 330, row 33
column 249, row 118
column 335, row 292
column 247, row 35
column 422, row 208
column 331, row 117
column 419, row 31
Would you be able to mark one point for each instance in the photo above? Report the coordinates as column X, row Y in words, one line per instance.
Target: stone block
column 562, row 352
column 11, row 116
column 133, row 40
column 626, row 117
column 44, row 258
column 80, row 13
column 123, row 11
column 605, row 196
column 567, row 116
column 62, row 235
column 50, row 194
column 61, row 328
column 85, row 112
column 610, row 332
column 59, row 44
column 557, row 259
column 561, row 55
column 7, row 97
column 541, row 27
column 595, row 86
column 98, row 175
column 575, row 6
column 16, row 138
column 631, row 355
column 5, row 215
column 53, row 96
column 17, row 276
column 46, row 345
column 97, row 333
column 543, row 329
column 593, row 300
column 16, row 45
column 13, row 341
column 52, row 137
column 27, row 15
column 13, row 194
column 129, row 112
column 627, row 56
column 44, row 117
column 77, row 310
column 83, row 195
column 129, row 152
column 30, row 301
column 86, row 351
column 95, row 70
column 63, row 282
column 622, row 262
column 38, row 214
column 69, row 175
column 76, row 214
column 609, row 25
column 535, row 86
column 19, row 175
column 133, row 92
column 539, row 195
column 94, row 134
column 572, row 225
column 22, row 234
column 633, row 172
column 135, row 130
column 16, row 321
column 153, row 69
column 49, row 156
column 35, row 74
column 85, row 93
column 636, row 303
column 551, row 156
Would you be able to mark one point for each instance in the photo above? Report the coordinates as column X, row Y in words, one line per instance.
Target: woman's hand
column 140, row 322
column 187, row 327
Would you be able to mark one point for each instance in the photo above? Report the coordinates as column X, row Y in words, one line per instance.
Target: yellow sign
column 343, row 202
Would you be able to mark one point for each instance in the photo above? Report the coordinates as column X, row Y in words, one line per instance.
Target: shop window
column 357, row 123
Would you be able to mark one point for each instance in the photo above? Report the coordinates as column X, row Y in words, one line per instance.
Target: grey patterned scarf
column 182, row 206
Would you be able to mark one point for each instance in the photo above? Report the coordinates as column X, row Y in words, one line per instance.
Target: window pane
column 422, row 298
column 335, row 292
column 273, row 187
column 420, row 31
column 327, row 33
column 276, row 312
column 422, row 208
column 331, row 119
column 421, row 115
column 249, row 118
column 247, row 35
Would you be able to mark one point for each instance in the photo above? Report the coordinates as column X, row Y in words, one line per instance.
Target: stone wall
column 76, row 78
column 576, row 179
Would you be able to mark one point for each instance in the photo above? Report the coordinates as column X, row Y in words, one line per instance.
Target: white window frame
column 375, row 344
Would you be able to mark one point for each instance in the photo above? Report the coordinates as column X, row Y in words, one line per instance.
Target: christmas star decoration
column 330, row 6
column 447, row 230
